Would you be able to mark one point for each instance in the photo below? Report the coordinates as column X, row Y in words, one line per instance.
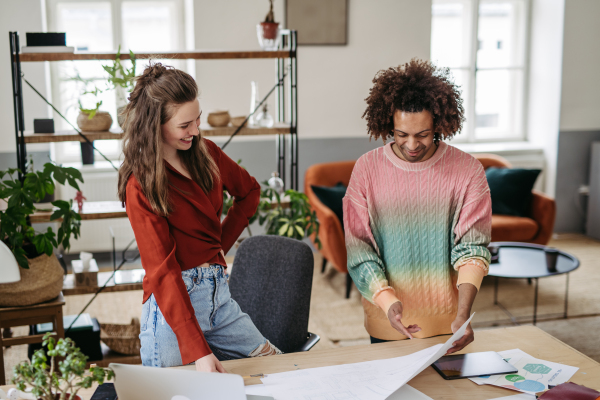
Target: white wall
column 22, row 16
column 544, row 82
column 333, row 81
column 580, row 105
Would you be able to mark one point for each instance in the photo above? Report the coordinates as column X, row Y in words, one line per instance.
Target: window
column 101, row 26
column 483, row 42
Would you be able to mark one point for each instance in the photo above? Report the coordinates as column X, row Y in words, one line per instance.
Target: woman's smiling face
column 179, row 132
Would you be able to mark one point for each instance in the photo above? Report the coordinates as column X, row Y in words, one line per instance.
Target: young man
column 417, row 212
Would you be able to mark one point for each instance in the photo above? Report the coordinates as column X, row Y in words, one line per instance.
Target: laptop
column 134, row 382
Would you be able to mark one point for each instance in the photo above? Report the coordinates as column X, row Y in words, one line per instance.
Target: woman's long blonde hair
column 156, row 95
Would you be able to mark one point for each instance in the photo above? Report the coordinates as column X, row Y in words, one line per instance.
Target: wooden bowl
column 218, row 118
column 238, row 121
column 101, row 122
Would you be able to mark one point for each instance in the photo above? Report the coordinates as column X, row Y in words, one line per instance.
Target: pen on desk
column 253, row 376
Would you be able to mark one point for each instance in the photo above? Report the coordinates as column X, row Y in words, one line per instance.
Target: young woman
column 172, row 183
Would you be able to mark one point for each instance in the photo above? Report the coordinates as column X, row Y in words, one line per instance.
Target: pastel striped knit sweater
column 414, row 232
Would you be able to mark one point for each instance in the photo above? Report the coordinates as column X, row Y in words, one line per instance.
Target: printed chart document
column 374, row 380
column 534, row 375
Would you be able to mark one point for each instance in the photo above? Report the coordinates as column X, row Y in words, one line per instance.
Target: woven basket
column 43, row 281
column 123, row 339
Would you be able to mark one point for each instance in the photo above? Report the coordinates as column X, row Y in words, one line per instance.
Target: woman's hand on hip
column 209, row 363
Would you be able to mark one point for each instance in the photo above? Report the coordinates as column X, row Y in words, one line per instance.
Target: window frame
column 467, row 135
column 57, row 150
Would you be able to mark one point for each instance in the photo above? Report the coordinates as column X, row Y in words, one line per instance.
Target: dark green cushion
column 510, row 189
column 332, row 198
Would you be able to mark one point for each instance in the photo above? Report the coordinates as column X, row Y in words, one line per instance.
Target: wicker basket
column 43, row 281
column 123, row 339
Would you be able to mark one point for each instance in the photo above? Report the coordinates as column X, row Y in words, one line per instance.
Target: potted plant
column 122, row 80
column 289, row 215
column 51, row 380
column 268, row 31
column 294, row 218
column 90, row 118
column 41, row 275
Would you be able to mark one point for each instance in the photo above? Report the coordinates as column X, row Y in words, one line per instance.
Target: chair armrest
column 543, row 211
column 311, row 340
column 333, row 241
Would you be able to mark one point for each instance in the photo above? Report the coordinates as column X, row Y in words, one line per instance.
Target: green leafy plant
column 90, row 111
column 20, row 196
column 119, row 75
column 51, row 380
column 294, row 218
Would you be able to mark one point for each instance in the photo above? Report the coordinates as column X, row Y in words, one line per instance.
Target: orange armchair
column 333, row 243
column 536, row 228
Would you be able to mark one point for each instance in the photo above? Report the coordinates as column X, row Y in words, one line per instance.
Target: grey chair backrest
column 272, row 280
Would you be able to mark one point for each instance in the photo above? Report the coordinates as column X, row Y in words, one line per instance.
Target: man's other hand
column 395, row 316
column 467, row 338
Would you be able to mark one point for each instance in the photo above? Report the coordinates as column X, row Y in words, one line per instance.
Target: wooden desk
column 50, row 311
column 530, row 339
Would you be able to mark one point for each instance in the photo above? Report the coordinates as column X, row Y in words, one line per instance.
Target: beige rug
column 339, row 321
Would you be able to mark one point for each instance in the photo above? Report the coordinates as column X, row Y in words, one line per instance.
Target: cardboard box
column 87, row 278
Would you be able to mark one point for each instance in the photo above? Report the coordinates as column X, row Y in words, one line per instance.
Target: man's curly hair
column 413, row 87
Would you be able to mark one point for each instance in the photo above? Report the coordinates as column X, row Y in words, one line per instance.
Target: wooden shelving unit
column 91, row 210
column 179, row 55
column 207, row 130
column 286, row 115
column 70, row 136
column 286, row 111
column 123, row 281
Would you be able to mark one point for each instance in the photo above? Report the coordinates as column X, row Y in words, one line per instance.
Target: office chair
column 272, row 281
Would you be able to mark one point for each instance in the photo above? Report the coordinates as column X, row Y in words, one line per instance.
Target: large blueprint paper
column 406, row 392
column 373, row 380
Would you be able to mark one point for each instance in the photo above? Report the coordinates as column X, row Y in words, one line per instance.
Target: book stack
column 46, row 42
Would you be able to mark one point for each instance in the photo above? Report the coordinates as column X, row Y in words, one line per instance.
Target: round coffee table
column 524, row 260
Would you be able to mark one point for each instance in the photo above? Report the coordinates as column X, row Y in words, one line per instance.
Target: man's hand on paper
column 209, row 363
column 467, row 338
column 395, row 316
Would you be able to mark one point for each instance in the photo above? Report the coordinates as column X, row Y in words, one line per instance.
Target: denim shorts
column 230, row 333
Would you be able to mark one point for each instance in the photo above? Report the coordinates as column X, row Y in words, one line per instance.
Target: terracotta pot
column 43, row 281
column 101, row 122
column 269, row 29
column 218, row 118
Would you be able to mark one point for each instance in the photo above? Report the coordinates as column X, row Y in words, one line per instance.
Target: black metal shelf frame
column 287, row 106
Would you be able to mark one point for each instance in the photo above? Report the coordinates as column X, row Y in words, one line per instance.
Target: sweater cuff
column 191, row 341
column 385, row 298
column 471, row 272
